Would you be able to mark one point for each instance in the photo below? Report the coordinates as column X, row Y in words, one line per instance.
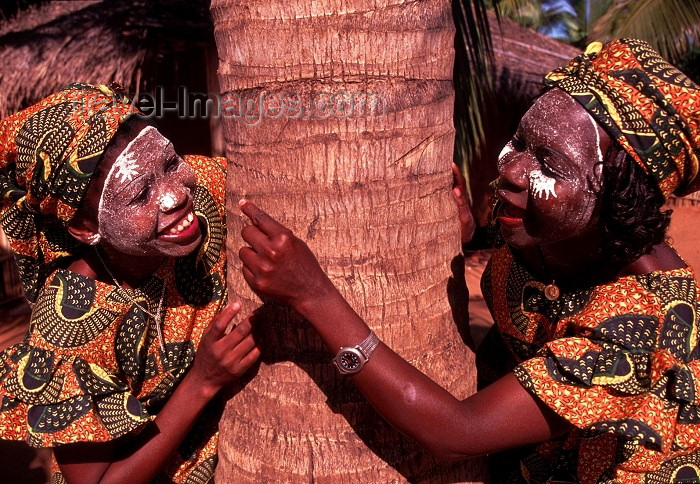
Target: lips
column 185, row 228
column 508, row 214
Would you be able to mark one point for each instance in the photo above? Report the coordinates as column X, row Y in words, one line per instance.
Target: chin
column 518, row 239
column 177, row 251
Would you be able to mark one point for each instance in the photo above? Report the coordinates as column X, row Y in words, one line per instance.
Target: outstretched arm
column 221, row 359
column 504, row 415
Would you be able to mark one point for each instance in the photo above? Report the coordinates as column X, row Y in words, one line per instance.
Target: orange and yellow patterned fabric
column 643, row 102
column 620, row 361
column 48, row 153
column 91, row 368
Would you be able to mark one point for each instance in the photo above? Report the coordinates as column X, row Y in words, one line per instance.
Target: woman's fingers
column 459, row 186
column 218, row 326
column 259, row 218
column 250, row 260
column 254, row 237
column 239, row 348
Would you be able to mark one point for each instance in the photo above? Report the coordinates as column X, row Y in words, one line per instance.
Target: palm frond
column 472, row 79
column 671, row 26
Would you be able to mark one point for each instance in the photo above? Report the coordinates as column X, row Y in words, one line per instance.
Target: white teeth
column 185, row 223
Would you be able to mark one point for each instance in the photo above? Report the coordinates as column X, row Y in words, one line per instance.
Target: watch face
column 349, row 360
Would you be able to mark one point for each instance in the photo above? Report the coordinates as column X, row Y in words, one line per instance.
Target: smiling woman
column 120, row 245
column 593, row 360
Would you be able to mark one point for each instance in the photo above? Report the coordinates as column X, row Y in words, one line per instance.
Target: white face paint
column 597, row 137
column 506, row 149
column 145, row 207
column 541, row 185
column 167, row 202
column 126, row 167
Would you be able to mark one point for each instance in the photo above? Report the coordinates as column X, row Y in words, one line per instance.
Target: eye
column 142, row 196
column 173, row 164
column 518, row 143
column 548, row 163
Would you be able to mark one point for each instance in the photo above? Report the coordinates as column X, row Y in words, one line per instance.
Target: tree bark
column 368, row 188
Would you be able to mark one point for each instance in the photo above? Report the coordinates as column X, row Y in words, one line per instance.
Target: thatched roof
column 96, row 41
column 524, row 56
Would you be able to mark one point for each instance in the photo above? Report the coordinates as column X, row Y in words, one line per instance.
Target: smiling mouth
column 510, row 214
column 185, row 227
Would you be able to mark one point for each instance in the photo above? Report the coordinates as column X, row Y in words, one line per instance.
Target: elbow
column 439, row 433
column 446, row 453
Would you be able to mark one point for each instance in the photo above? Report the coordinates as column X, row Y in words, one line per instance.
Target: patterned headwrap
column 648, row 106
column 48, row 153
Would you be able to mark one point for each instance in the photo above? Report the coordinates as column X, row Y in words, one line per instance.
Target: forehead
column 141, row 138
column 557, row 114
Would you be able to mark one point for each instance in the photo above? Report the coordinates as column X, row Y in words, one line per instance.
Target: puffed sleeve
column 630, row 364
column 70, row 381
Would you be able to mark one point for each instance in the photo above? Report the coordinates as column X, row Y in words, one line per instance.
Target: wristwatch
column 351, row 359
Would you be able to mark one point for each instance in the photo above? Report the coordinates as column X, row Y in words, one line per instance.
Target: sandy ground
column 685, row 232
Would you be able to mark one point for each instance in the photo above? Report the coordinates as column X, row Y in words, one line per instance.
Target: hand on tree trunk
column 223, row 357
column 467, row 224
column 278, row 264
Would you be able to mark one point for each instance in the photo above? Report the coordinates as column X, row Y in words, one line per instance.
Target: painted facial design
column 126, row 167
column 597, row 136
column 167, row 202
column 145, row 207
column 550, row 173
column 504, row 152
column 542, row 185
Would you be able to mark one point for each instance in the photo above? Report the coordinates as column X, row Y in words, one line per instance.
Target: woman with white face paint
column 121, row 249
column 593, row 358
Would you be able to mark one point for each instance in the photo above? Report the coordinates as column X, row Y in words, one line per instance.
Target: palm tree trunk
column 366, row 182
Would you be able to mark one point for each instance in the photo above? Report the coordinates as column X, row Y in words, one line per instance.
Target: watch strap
column 369, row 344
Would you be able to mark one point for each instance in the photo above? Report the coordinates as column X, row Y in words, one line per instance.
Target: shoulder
column 210, row 173
column 210, row 194
column 77, row 315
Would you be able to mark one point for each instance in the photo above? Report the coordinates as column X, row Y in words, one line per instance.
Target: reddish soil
column 684, row 233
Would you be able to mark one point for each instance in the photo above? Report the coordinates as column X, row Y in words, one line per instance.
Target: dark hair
column 630, row 213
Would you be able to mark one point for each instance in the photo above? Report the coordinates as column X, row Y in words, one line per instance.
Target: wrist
column 199, row 390
column 324, row 295
column 350, row 360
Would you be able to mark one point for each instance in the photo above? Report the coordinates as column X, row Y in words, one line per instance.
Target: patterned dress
column 91, row 368
column 619, row 361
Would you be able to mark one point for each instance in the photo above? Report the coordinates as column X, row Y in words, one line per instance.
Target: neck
column 661, row 258
column 113, row 267
column 571, row 263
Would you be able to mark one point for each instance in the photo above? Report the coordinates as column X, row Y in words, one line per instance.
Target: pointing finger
column 218, row 326
column 259, row 217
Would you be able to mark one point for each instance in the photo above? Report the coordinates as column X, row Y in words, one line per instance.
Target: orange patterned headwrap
column 48, row 153
column 648, row 106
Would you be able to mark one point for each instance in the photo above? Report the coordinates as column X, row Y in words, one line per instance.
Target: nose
column 513, row 168
column 172, row 197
